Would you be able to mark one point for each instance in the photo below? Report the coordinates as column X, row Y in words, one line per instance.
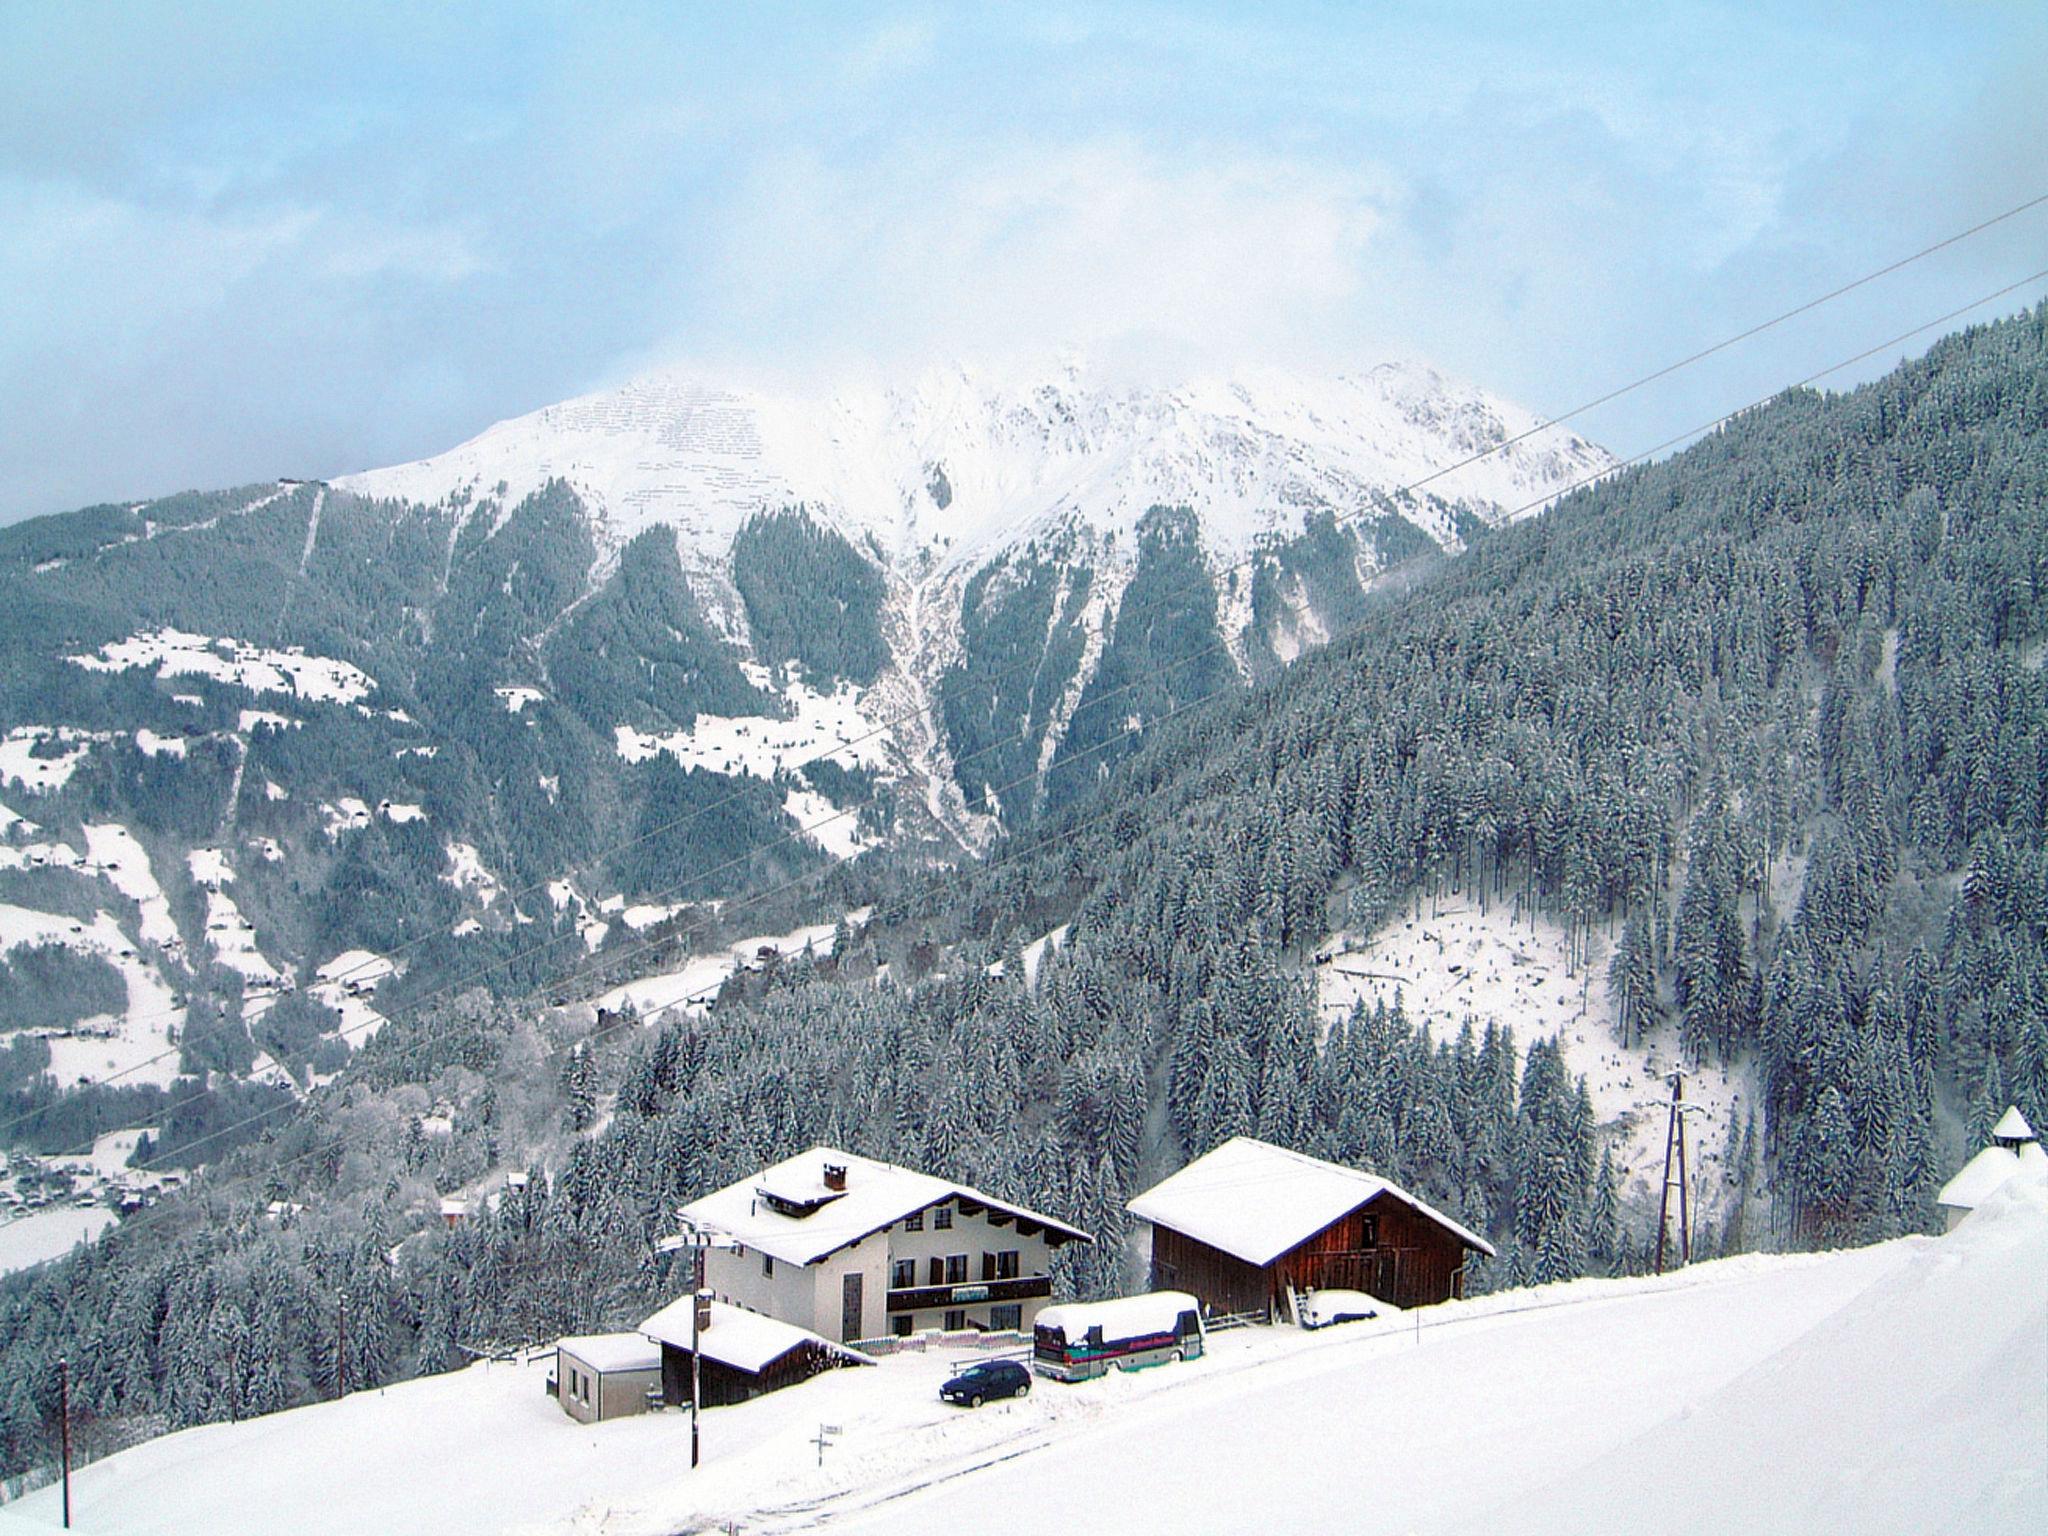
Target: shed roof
column 1255, row 1201
column 744, row 1340
column 608, row 1352
column 876, row 1195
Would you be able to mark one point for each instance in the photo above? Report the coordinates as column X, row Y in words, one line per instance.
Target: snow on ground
column 349, row 814
column 835, row 830
column 153, row 745
column 234, row 940
column 123, row 864
column 104, row 1044
column 268, row 847
column 21, row 764
column 40, row 1236
column 174, row 653
column 346, row 983
column 399, row 811
column 269, row 718
column 466, row 872
column 41, row 856
column 209, row 868
column 693, row 985
column 757, row 745
column 1893, row 1388
column 1457, row 963
column 516, row 699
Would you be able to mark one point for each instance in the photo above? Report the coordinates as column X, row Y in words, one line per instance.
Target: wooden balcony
column 970, row 1293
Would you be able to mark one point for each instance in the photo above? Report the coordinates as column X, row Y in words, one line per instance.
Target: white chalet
column 851, row 1248
column 2014, row 1147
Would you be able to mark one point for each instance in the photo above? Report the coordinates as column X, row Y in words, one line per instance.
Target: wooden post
column 64, row 1431
column 340, row 1346
column 1672, row 1140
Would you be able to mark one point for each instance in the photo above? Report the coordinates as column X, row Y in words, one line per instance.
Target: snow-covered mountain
column 1002, row 519
column 960, row 464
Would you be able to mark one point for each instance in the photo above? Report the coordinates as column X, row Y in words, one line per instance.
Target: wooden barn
column 745, row 1353
column 1248, row 1225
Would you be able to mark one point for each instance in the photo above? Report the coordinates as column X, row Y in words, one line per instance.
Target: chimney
column 835, row 1176
column 703, row 1311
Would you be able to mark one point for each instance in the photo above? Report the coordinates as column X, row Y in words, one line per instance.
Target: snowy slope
column 1715, row 1399
column 961, row 463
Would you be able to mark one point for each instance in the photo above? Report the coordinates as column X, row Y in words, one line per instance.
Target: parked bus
column 1075, row 1342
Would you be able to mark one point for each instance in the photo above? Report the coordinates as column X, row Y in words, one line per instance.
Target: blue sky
column 241, row 241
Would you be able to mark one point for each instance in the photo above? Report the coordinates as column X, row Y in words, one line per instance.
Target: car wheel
column 1024, row 1389
column 974, row 1401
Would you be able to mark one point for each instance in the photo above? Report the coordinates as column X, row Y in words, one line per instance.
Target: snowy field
column 1457, row 963
column 694, row 984
column 39, row 1236
column 761, row 747
column 104, row 1044
column 173, row 653
column 1877, row 1390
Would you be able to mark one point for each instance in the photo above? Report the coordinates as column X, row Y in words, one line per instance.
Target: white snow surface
column 1256, row 1200
column 1880, row 1390
column 963, row 461
column 829, row 725
column 21, row 763
column 39, row 1236
column 694, row 984
column 174, row 653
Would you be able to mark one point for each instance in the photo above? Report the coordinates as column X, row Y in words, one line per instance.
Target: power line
column 1073, row 829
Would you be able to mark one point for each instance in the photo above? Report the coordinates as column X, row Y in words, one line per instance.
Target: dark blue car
column 985, row 1380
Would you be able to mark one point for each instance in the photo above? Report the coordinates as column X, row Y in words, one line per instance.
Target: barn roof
column 744, row 1340
column 1255, row 1200
column 788, row 1212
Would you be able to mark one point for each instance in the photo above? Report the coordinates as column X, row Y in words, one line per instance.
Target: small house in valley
column 1250, row 1225
column 2013, row 1147
column 850, row 1248
column 743, row 1353
column 602, row 1376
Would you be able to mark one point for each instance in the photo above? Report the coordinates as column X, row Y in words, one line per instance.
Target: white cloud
column 995, row 251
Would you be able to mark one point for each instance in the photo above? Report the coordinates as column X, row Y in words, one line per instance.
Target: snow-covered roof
column 1985, row 1174
column 1256, row 1201
column 877, row 1194
column 2012, row 1126
column 607, row 1352
column 744, row 1340
column 1125, row 1317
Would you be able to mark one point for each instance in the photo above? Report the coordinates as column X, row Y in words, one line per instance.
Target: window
column 956, row 1269
column 1007, row 1319
column 914, row 1222
column 942, row 1219
column 956, row 1320
column 1368, row 1231
column 1009, row 1264
column 902, row 1274
column 900, row 1325
column 938, row 1270
column 768, row 1265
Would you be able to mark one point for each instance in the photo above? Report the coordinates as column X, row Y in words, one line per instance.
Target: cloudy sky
column 238, row 241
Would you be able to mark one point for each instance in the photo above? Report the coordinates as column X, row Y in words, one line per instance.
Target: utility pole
column 1674, row 1155
column 340, row 1346
column 697, row 1239
column 64, row 1431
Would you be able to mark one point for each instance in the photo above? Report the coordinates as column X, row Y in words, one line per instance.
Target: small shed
column 1250, row 1225
column 2013, row 1147
column 745, row 1353
column 602, row 1376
